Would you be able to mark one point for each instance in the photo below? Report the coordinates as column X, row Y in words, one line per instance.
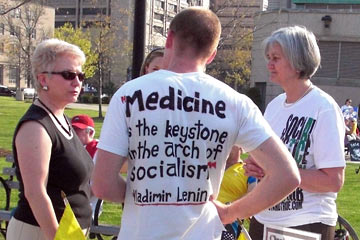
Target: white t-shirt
column 313, row 131
column 177, row 131
column 345, row 109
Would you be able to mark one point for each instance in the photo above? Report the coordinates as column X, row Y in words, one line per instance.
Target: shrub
column 85, row 98
column 106, row 100
column 95, row 100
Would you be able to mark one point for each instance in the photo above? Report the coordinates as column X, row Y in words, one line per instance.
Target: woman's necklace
column 68, row 131
column 306, row 92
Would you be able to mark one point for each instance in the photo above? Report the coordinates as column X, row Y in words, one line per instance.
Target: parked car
column 5, row 91
column 29, row 93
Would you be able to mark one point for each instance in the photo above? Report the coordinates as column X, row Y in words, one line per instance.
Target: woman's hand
column 253, row 169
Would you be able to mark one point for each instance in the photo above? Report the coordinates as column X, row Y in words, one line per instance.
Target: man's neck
column 186, row 65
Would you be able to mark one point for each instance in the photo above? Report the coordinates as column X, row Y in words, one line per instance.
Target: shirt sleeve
column 329, row 139
column 114, row 135
column 253, row 128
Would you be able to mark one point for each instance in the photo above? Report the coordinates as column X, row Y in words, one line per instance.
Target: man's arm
column 107, row 183
column 281, row 178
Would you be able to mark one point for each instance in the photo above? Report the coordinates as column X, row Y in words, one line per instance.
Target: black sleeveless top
column 69, row 171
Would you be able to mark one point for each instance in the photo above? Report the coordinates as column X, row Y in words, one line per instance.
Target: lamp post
column 139, row 37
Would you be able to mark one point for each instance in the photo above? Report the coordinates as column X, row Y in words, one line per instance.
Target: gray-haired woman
column 310, row 124
column 48, row 155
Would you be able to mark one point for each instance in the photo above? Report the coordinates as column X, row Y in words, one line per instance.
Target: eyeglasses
column 67, row 75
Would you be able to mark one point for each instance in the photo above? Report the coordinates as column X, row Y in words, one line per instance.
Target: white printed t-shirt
column 313, row 131
column 177, row 131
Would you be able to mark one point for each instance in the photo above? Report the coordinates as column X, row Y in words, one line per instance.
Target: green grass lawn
column 11, row 110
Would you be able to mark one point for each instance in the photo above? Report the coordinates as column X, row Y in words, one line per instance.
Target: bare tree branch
column 17, row 6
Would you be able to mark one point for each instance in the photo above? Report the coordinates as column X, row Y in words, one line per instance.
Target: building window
column 337, row 60
column 16, row 13
column 65, row 11
column 94, row 11
column 13, row 73
column 2, row 29
column 158, row 29
column 33, row 34
column 14, row 48
column 159, row 16
column 172, row 8
column 17, row 31
column 61, row 23
column 350, row 54
column 29, row 14
column 14, row 30
column 159, row 4
column 169, row 18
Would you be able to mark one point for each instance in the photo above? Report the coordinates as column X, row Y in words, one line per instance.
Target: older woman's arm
column 33, row 146
column 312, row 180
column 322, row 180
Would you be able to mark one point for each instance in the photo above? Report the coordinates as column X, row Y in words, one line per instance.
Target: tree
column 235, row 68
column 81, row 39
column 22, row 23
column 111, row 49
column 233, row 61
column 6, row 11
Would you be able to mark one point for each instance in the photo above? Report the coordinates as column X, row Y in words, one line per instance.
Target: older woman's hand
column 252, row 168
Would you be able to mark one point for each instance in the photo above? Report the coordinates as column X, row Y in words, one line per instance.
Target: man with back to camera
column 177, row 127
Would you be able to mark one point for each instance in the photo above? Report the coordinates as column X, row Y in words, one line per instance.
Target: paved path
column 87, row 106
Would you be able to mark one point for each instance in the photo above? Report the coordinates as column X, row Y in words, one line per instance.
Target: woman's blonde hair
column 46, row 53
column 157, row 52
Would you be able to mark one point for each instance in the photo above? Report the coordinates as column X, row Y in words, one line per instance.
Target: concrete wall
column 344, row 27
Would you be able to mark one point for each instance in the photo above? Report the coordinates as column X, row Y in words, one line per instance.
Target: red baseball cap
column 82, row 121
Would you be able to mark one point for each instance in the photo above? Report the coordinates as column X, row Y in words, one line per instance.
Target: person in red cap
column 84, row 128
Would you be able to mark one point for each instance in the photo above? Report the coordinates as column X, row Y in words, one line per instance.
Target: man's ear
column 211, row 58
column 169, row 39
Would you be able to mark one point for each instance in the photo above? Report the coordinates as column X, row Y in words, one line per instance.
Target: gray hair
column 299, row 47
column 46, row 53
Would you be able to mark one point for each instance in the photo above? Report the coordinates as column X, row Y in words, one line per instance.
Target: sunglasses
column 67, row 75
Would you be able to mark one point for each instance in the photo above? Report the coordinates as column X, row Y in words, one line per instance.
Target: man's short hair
column 198, row 28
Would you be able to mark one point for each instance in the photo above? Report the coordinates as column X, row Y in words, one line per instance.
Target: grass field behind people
column 11, row 111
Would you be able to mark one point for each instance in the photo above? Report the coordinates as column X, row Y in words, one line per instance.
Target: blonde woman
column 49, row 157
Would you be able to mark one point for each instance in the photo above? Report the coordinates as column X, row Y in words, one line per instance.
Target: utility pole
column 139, row 37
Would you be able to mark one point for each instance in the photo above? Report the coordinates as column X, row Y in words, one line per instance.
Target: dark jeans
column 327, row 232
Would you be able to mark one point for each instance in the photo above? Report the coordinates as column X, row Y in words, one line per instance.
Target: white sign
column 283, row 233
